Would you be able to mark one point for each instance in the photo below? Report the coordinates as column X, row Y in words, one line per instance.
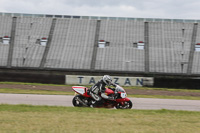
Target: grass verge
column 46, row 92
column 41, row 92
column 165, row 97
column 50, row 92
column 126, row 87
column 23, row 83
column 165, row 89
column 27, row 118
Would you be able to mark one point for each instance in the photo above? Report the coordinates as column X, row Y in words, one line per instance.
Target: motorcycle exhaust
column 82, row 102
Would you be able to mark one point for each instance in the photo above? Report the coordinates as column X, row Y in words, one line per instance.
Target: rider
column 99, row 88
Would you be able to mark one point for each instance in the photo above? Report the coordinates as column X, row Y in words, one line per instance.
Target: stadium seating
column 72, row 44
column 121, row 55
column 27, row 52
column 73, row 40
column 169, row 46
column 196, row 61
column 5, row 30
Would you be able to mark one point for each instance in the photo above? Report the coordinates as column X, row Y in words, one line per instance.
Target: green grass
column 41, row 92
column 126, row 87
column 48, row 92
column 23, row 83
column 164, row 89
column 29, row 119
column 165, row 97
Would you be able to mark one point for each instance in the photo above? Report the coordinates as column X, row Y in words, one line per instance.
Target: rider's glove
column 113, row 89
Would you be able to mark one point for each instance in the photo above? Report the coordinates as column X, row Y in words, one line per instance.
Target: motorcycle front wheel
column 126, row 105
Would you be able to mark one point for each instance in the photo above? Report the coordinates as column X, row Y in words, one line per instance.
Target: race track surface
column 63, row 100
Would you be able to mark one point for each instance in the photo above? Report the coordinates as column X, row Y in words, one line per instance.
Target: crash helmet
column 107, row 80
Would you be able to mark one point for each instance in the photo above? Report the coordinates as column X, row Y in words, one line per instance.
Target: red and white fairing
column 81, row 90
column 121, row 101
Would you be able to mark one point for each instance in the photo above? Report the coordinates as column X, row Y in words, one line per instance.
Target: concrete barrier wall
column 55, row 77
column 32, row 78
column 181, row 83
column 124, row 81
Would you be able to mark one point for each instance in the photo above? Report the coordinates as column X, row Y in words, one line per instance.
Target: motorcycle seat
column 88, row 92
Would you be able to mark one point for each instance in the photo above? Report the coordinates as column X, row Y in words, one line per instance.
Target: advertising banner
column 122, row 81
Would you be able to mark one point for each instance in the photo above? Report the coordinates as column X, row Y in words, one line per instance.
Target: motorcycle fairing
column 122, row 99
column 108, row 91
column 81, row 90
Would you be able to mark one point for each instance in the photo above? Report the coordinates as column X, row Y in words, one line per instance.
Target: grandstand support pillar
column 146, row 49
column 12, row 40
column 94, row 54
column 46, row 51
column 192, row 49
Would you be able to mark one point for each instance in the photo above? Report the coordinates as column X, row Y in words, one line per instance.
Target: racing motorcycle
column 83, row 98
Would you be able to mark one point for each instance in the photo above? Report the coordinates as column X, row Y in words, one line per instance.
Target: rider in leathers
column 99, row 89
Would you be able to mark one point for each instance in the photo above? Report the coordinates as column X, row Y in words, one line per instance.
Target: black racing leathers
column 99, row 89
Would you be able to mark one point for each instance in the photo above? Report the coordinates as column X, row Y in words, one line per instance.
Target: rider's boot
column 92, row 103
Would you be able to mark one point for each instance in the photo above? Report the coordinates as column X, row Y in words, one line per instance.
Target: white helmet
column 107, row 80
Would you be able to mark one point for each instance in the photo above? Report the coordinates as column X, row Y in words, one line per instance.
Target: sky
column 169, row 9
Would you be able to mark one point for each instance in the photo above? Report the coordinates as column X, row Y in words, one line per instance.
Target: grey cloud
column 98, row 3
column 121, row 8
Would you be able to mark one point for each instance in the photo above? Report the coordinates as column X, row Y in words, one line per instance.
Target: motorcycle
column 83, row 98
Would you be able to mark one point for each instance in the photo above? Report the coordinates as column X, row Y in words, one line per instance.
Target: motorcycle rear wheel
column 76, row 102
column 126, row 105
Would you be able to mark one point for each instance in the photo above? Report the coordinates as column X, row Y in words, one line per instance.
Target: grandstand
column 67, row 43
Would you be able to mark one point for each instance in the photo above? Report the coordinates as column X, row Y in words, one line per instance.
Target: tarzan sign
column 90, row 80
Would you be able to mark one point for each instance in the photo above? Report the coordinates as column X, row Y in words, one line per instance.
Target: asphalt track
column 63, row 100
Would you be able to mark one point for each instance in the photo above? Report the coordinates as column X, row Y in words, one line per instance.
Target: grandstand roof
column 99, row 17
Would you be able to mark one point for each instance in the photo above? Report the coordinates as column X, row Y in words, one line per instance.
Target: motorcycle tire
column 76, row 103
column 127, row 105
